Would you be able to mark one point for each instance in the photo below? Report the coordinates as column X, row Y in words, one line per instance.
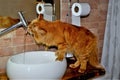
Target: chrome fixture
column 21, row 23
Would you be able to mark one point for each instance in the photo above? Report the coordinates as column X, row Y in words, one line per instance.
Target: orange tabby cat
column 68, row 38
column 6, row 21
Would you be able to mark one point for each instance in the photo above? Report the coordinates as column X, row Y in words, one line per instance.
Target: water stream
column 24, row 49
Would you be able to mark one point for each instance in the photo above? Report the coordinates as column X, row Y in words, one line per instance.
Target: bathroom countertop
column 72, row 74
column 3, row 76
column 89, row 74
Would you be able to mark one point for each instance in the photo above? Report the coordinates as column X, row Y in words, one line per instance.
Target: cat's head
column 37, row 29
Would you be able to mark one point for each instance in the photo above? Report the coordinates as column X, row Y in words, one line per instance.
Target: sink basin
column 35, row 65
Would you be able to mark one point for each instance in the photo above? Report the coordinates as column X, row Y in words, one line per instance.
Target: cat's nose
column 28, row 32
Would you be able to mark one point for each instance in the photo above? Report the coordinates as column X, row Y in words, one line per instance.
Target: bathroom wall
column 13, row 43
column 95, row 21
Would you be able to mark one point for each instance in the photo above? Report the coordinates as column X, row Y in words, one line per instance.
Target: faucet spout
column 23, row 20
column 21, row 23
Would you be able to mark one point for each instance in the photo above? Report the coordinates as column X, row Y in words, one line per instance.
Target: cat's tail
column 93, row 59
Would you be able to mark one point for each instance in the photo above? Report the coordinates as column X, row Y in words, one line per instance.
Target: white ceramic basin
column 35, row 65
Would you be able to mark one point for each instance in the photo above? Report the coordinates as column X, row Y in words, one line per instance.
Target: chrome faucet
column 21, row 23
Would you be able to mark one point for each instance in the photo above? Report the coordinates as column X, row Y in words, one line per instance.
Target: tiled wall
column 16, row 42
column 95, row 21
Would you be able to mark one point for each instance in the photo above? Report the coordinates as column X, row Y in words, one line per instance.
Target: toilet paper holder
column 78, row 10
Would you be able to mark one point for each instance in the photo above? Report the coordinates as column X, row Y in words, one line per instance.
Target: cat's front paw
column 60, row 55
column 46, row 48
column 59, row 58
column 81, row 70
column 73, row 66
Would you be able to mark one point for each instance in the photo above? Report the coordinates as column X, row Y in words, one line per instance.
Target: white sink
column 35, row 65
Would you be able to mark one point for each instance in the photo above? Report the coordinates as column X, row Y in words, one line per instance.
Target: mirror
column 11, row 8
column 56, row 6
column 47, row 1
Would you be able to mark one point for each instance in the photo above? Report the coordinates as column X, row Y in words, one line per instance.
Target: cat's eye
column 42, row 31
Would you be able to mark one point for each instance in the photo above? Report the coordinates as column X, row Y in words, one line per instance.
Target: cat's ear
column 40, row 16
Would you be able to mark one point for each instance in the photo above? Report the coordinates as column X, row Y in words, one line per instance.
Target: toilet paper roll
column 40, row 8
column 80, row 9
